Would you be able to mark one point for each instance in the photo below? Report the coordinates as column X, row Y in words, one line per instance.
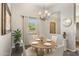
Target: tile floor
column 66, row 53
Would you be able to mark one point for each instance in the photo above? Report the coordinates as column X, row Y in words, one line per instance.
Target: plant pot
column 17, row 47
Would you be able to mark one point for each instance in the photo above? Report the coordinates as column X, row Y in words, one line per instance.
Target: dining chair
column 57, row 52
column 60, row 39
column 30, row 52
column 34, row 36
column 54, row 37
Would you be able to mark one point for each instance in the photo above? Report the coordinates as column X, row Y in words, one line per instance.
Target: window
column 32, row 24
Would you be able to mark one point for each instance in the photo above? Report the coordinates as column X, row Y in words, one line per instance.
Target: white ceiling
column 33, row 8
column 35, row 5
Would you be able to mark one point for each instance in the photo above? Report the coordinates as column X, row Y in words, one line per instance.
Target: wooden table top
column 41, row 44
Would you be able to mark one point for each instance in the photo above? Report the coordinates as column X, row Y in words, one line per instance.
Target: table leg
column 39, row 52
column 36, row 50
column 42, row 52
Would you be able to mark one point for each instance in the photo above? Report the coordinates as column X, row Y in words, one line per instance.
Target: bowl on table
column 34, row 42
column 48, row 40
column 38, row 39
column 47, row 44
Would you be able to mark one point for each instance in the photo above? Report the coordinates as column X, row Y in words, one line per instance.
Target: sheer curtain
column 28, row 33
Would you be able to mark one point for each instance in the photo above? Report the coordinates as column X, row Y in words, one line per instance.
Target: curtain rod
column 28, row 16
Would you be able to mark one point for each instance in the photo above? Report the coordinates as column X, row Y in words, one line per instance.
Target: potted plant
column 17, row 35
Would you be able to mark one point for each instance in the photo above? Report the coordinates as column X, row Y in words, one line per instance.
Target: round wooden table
column 40, row 47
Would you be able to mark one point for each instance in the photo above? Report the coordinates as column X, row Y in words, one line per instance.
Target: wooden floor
column 69, row 53
column 17, row 53
column 77, row 44
column 66, row 53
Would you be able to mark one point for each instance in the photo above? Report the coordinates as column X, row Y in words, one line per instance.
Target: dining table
column 42, row 47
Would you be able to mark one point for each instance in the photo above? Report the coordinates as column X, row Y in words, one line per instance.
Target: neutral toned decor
column 44, row 14
column 58, row 51
column 67, row 22
column 40, row 46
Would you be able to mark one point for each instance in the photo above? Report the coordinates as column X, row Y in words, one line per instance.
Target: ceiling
column 35, row 5
column 32, row 9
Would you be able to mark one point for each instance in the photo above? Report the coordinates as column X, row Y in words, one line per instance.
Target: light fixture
column 44, row 15
column 67, row 22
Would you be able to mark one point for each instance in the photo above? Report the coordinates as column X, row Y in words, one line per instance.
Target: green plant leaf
column 16, row 35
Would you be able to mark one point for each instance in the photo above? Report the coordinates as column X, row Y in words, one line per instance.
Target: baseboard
column 71, row 50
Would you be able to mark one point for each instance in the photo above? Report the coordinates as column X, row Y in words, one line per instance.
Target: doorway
column 77, row 26
column 52, row 27
column 77, row 35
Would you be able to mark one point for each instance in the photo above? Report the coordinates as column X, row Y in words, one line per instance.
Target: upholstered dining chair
column 30, row 52
column 57, row 52
column 35, row 36
column 60, row 39
column 54, row 37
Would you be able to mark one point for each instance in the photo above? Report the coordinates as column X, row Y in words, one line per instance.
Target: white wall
column 17, row 11
column 46, row 25
column 63, row 11
column 66, row 10
column 71, row 31
column 16, row 22
column 5, row 43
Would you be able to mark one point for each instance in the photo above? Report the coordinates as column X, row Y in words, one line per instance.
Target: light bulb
column 48, row 14
column 39, row 13
column 46, row 11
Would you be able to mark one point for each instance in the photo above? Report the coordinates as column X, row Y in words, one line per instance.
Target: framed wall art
column 5, row 19
column 8, row 19
column 0, row 18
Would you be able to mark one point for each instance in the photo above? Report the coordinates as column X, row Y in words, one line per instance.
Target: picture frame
column 0, row 17
column 32, row 25
column 6, row 19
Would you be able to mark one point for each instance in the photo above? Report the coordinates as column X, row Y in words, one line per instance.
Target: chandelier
column 44, row 14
